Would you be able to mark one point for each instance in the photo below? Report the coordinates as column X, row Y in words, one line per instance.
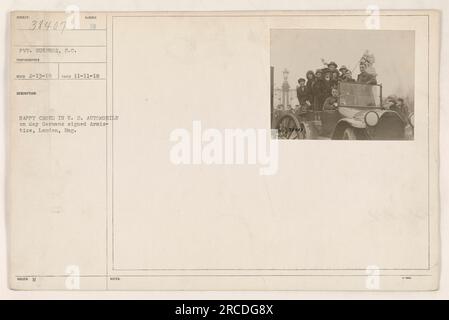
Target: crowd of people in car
column 318, row 89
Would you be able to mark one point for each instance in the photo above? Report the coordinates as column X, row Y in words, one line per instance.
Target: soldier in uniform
column 331, row 102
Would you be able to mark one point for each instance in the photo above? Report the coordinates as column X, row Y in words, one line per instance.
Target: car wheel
column 349, row 134
column 288, row 127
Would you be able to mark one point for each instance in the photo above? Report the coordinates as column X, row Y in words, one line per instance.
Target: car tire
column 293, row 126
column 349, row 134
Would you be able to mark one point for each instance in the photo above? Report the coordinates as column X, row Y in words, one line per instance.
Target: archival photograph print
column 342, row 84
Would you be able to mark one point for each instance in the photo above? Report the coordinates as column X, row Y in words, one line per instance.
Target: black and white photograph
column 342, row 84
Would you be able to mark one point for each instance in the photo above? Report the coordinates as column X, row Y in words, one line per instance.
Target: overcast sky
column 302, row 50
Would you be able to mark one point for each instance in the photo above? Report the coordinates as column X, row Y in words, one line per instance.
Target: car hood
column 356, row 116
column 357, row 113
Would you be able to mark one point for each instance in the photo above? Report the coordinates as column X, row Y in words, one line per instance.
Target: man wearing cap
column 331, row 103
column 332, row 66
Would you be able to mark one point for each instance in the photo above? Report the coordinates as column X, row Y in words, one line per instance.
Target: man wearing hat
column 332, row 66
column 332, row 69
column 343, row 69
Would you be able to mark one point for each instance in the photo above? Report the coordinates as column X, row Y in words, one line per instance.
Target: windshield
column 359, row 95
